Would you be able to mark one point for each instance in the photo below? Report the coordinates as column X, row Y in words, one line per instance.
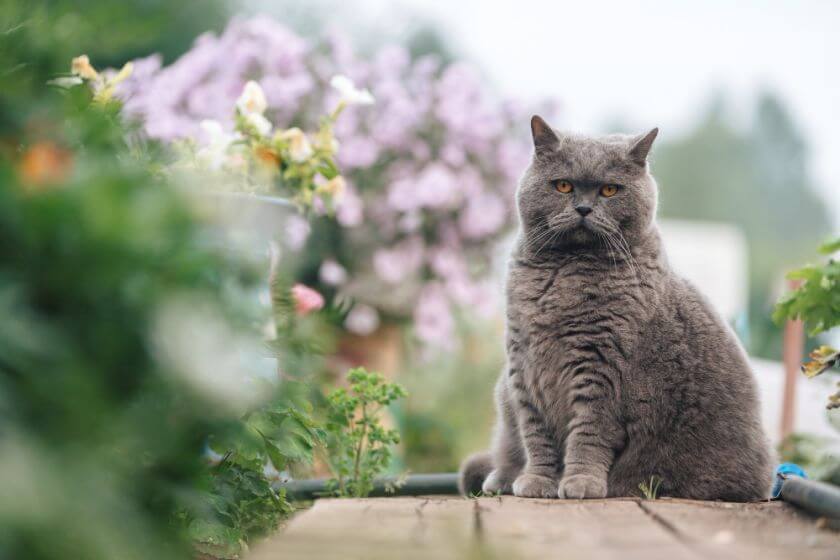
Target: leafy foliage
column 817, row 299
column 239, row 503
column 817, row 302
column 102, row 435
column 359, row 447
column 106, row 409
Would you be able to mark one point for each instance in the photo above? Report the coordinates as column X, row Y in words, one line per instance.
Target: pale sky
column 651, row 63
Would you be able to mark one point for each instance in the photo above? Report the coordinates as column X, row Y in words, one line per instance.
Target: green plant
column 130, row 353
column 816, row 301
column 104, row 420
column 239, row 503
column 650, row 489
column 359, row 447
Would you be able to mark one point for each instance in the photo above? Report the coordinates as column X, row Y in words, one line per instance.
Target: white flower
column 259, row 122
column 362, row 320
column 299, row 147
column 332, row 273
column 252, row 100
column 349, row 93
column 214, row 153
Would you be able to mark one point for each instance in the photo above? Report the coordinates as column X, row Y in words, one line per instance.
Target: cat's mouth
column 587, row 225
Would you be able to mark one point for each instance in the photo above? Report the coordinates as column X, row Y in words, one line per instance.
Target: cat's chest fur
column 572, row 320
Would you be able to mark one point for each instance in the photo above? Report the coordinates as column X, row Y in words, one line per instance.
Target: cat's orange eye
column 609, row 190
column 564, row 187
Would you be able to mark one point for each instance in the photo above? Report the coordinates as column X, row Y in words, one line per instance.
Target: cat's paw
column 579, row 486
column 534, row 486
column 497, row 482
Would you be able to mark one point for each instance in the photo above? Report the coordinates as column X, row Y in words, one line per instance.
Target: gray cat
column 618, row 370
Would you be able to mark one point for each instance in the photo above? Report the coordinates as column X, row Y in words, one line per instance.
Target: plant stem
column 359, row 447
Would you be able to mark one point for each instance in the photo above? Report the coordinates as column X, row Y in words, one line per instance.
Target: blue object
column 783, row 471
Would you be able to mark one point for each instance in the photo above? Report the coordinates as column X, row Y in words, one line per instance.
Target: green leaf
column 830, row 247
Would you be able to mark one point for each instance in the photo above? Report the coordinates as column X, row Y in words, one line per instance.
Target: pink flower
column 433, row 321
column 403, row 259
column 483, row 216
column 306, row 299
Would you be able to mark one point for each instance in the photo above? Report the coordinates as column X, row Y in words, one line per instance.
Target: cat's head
column 582, row 190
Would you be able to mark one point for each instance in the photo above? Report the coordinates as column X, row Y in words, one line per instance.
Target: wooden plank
column 596, row 529
column 376, row 528
column 515, row 528
column 767, row 530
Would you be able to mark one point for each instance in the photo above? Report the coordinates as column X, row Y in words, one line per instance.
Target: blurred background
column 745, row 96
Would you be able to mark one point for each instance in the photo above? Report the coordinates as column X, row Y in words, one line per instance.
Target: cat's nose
column 583, row 209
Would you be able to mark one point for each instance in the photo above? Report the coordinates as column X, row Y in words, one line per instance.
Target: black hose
column 413, row 485
column 818, row 498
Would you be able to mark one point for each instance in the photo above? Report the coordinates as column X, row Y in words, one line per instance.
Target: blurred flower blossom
column 252, row 99
column 261, row 124
column 350, row 94
column 429, row 171
column 335, row 187
column 433, row 322
column 82, row 68
column 306, row 299
column 214, row 152
column 362, row 320
column 299, row 147
column 297, row 230
column 332, row 273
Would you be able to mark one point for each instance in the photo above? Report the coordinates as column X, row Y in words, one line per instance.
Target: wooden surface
column 511, row 528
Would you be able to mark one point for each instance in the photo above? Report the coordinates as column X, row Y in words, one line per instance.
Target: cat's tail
column 473, row 471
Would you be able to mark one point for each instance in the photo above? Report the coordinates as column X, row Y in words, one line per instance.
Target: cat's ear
column 640, row 146
column 544, row 138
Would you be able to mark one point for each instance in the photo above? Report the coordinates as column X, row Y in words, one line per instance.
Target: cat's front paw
column 534, row 486
column 497, row 482
column 579, row 486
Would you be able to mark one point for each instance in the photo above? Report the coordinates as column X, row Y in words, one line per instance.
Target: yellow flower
column 81, row 67
column 300, row 149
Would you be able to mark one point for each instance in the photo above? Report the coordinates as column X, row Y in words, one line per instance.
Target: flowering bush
column 430, row 169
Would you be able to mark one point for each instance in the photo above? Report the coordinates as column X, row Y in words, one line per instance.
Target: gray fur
column 618, row 369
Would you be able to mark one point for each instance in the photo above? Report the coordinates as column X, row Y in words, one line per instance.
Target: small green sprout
column 650, row 489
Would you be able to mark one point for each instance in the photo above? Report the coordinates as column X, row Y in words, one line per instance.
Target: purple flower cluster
column 431, row 168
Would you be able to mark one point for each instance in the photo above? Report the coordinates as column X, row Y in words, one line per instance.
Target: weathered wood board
column 515, row 528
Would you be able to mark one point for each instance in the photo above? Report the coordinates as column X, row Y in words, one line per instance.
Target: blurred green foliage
column 101, row 438
column 104, row 434
column 449, row 411
column 756, row 179
column 38, row 38
column 818, row 456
